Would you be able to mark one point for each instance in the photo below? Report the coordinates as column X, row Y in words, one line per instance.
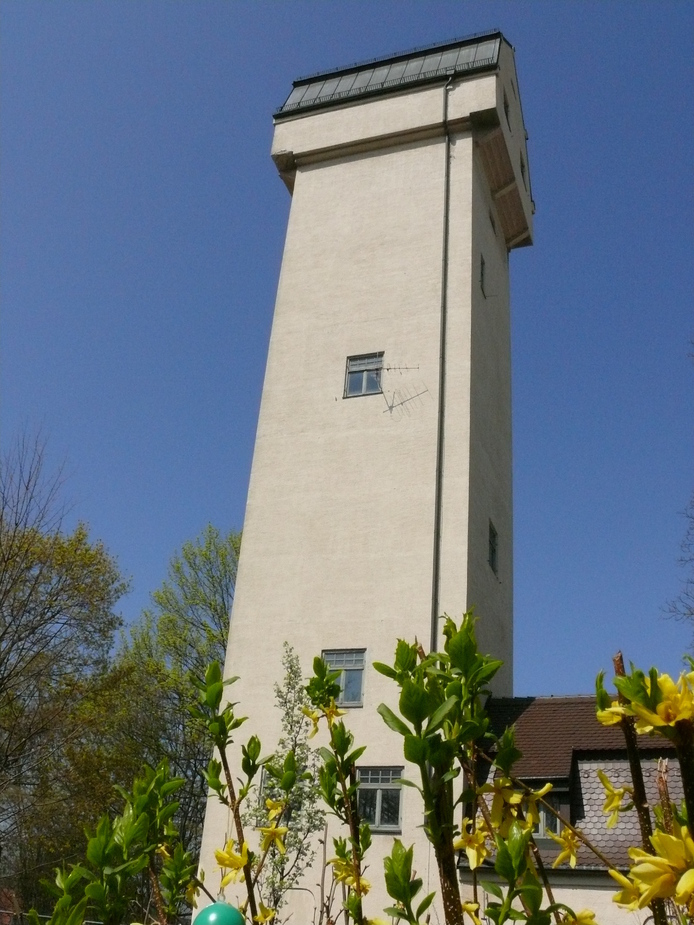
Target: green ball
column 219, row 914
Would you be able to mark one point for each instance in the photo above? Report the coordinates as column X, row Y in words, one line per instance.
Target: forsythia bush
column 472, row 803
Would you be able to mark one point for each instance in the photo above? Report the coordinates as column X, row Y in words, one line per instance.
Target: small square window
column 493, row 548
column 363, row 375
column 350, row 664
column 378, row 797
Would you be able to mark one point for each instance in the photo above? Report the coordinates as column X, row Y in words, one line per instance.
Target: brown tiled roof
column 551, row 730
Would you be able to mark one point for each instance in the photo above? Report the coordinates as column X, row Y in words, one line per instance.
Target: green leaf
column 504, row 865
column 424, row 905
column 439, row 715
column 405, row 656
column 382, row 668
column 414, row 702
column 415, row 750
column 492, row 888
column 392, row 721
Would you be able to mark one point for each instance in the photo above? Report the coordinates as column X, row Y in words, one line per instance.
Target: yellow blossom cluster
column 569, row 842
column 233, row 861
column 476, row 843
column 345, row 872
column 667, row 874
column 614, row 799
column 676, row 703
column 510, row 804
column 330, row 712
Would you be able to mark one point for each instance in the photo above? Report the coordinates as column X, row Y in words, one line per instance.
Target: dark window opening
column 493, row 548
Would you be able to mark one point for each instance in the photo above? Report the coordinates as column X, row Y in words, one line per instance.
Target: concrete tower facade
column 381, row 487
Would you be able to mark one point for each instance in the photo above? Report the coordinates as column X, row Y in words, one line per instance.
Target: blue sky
column 142, row 231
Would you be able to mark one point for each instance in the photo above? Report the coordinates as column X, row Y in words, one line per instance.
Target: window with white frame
column 549, row 824
column 350, row 664
column 379, row 798
column 363, row 375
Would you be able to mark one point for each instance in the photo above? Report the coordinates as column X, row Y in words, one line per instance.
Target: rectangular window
column 483, row 279
column 350, row 664
column 378, row 797
column 493, row 548
column 363, row 375
column 549, row 824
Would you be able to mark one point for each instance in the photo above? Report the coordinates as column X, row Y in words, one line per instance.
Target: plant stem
column 158, row 899
column 628, row 725
column 684, row 743
column 247, row 873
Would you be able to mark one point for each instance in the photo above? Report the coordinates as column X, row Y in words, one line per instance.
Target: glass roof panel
column 346, row 83
column 418, row 67
column 396, row 70
column 449, row 58
column 485, row 50
column 312, row 91
column 362, row 79
column 296, row 95
column 413, row 67
column 329, row 87
column 431, row 63
column 378, row 75
column 467, row 55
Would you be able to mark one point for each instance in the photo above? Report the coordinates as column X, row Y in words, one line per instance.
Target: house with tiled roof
column 563, row 744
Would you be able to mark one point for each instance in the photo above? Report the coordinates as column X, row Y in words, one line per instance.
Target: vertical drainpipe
column 438, row 489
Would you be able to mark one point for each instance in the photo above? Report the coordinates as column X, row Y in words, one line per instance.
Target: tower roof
column 422, row 65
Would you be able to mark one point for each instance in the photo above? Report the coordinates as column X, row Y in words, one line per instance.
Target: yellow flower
column 273, row 835
column 509, row 804
column 628, row 896
column 611, row 715
column 613, row 798
column 331, row 713
column 471, row 909
column 584, row 917
column 314, row 716
column 505, row 804
column 192, row 892
column 474, row 843
column 667, row 874
column 231, row 861
column 344, row 872
column 275, row 808
column 677, row 703
column 532, row 814
column 569, row 843
column 684, row 893
column 265, row 915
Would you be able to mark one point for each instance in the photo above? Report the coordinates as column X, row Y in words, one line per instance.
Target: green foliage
column 58, row 593
column 169, row 650
column 141, row 839
column 402, row 886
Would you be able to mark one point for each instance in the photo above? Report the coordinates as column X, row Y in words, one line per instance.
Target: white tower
column 381, row 488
